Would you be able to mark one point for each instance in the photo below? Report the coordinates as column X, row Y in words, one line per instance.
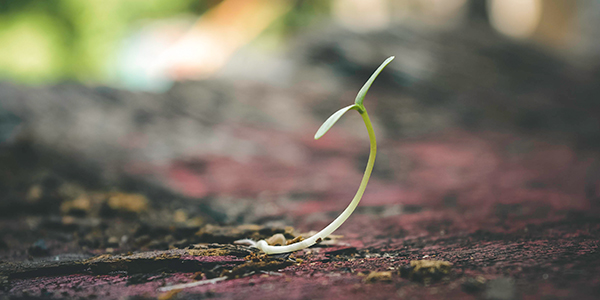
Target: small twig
column 191, row 284
column 271, row 273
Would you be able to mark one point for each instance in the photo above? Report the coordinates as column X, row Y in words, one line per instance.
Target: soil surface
column 108, row 194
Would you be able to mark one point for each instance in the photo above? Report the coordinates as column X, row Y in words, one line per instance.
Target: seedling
column 321, row 235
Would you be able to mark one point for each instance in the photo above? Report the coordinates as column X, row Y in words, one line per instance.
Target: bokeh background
column 140, row 84
column 218, row 100
column 158, row 124
column 117, row 42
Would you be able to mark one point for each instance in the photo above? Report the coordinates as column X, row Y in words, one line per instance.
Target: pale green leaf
column 331, row 120
column 363, row 91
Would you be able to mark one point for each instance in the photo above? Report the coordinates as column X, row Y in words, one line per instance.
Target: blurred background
column 129, row 43
column 195, row 112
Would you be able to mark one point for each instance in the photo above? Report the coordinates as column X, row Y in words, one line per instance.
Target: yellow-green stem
column 321, row 235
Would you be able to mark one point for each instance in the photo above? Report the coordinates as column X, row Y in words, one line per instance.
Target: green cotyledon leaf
column 363, row 91
column 331, row 120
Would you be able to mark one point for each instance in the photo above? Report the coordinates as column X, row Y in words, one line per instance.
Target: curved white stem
column 268, row 249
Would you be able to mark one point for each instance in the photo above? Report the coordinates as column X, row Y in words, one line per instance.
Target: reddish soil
column 517, row 219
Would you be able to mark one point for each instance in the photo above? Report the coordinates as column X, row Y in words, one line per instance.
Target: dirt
column 492, row 239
